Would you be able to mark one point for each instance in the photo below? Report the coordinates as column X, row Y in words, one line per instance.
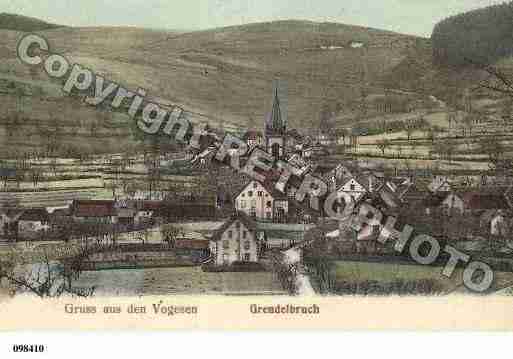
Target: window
column 268, row 215
column 255, row 185
column 253, row 203
column 247, row 257
column 230, row 234
column 247, row 245
column 260, row 193
column 242, row 204
column 253, row 212
column 244, row 234
column 269, row 204
column 250, row 194
column 352, row 187
column 226, row 244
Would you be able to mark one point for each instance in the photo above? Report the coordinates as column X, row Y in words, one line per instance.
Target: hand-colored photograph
column 160, row 158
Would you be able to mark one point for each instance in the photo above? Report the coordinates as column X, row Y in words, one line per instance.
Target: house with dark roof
column 235, row 240
column 172, row 212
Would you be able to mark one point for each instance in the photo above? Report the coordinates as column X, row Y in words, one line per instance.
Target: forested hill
column 482, row 35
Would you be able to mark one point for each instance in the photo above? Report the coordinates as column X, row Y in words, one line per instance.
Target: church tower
column 275, row 130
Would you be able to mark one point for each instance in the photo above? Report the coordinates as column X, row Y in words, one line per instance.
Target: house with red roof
column 94, row 210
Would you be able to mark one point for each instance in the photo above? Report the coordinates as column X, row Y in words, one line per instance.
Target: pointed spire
column 274, row 123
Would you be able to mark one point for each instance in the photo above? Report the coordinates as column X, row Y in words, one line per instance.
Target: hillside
column 23, row 23
column 226, row 74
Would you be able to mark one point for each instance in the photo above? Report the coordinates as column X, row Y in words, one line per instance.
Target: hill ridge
column 17, row 22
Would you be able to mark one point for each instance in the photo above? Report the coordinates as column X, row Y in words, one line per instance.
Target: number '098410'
column 25, row 348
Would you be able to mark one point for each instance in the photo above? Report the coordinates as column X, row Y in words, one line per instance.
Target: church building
column 275, row 130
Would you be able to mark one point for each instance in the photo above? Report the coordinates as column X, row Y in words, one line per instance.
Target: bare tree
column 48, row 278
column 383, row 145
column 409, row 128
column 170, row 233
column 497, row 80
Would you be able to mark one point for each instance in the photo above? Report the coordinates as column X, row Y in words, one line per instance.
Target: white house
column 261, row 202
column 495, row 221
column 235, row 240
column 356, row 44
column 498, row 225
column 147, row 195
column 353, row 188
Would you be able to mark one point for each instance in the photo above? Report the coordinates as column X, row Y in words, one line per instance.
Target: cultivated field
column 355, row 271
column 179, row 281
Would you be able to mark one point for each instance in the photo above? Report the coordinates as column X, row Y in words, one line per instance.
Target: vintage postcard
column 219, row 164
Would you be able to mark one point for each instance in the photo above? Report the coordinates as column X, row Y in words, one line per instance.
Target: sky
column 415, row 17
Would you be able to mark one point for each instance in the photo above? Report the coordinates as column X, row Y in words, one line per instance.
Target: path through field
column 293, row 256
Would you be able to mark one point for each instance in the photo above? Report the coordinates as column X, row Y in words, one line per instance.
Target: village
column 184, row 210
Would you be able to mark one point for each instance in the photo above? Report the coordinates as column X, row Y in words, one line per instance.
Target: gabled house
column 235, row 240
column 355, row 188
column 494, row 222
column 263, row 202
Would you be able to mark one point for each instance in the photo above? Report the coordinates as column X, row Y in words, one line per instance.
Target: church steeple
column 275, row 130
column 275, row 124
